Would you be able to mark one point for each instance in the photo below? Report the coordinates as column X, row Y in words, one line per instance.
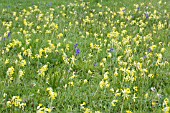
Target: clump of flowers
column 16, row 101
column 41, row 109
column 42, row 70
column 10, row 72
column 166, row 107
column 52, row 95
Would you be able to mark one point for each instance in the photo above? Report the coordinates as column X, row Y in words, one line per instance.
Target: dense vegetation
column 79, row 56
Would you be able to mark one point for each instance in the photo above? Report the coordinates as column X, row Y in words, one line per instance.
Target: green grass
column 119, row 65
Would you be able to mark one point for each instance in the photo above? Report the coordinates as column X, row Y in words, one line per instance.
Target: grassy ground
column 79, row 56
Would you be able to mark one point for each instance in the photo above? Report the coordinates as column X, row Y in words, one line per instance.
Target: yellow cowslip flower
column 117, row 94
column 22, row 105
column 70, row 24
column 9, row 104
column 21, row 73
column 152, row 47
column 39, row 106
column 91, row 45
column 4, row 95
column 60, row 35
column 48, row 31
column 90, row 72
column 47, row 50
column 116, row 73
column 109, row 55
column 166, row 102
column 146, row 95
column 106, row 75
column 29, row 52
column 27, row 41
column 41, row 109
column 128, row 111
column 154, row 103
column 104, row 60
column 23, row 63
column 16, row 18
column 135, row 88
column 100, row 13
column 134, row 97
column 71, row 84
column 25, row 22
column 41, row 52
column 85, row 81
column 163, row 50
column 6, row 61
column 67, row 47
column 83, row 104
column 102, row 84
column 114, row 102
column 48, row 110
column 87, row 110
column 151, row 76
column 14, row 13
column 52, row 94
column 107, row 84
column 166, row 109
column 10, row 71
column 76, row 22
column 126, row 93
column 73, row 59
column 38, row 27
column 42, row 70
column 24, row 31
column 99, row 5
column 73, row 76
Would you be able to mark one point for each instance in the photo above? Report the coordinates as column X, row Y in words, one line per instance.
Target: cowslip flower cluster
column 41, row 109
column 10, row 72
column 42, row 70
column 16, row 101
column 52, row 95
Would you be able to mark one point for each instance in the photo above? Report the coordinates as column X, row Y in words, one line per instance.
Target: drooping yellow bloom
column 52, row 94
column 10, row 71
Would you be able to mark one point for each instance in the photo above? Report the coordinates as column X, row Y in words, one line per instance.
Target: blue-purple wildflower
column 149, row 50
column 9, row 34
column 147, row 15
column 112, row 50
column 75, row 46
column 77, row 52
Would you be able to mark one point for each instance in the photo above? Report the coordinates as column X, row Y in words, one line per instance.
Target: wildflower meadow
column 84, row 56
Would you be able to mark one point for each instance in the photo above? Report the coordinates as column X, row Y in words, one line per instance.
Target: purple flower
column 95, row 64
column 149, row 50
column 112, row 50
column 9, row 34
column 8, row 7
column 147, row 15
column 75, row 46
column 138, row 8
column 145, row 57
column 50, row 4
column 132, row 16
column 124, row 10
column 77, row 52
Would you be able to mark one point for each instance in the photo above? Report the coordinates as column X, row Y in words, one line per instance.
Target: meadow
column 84, row 56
